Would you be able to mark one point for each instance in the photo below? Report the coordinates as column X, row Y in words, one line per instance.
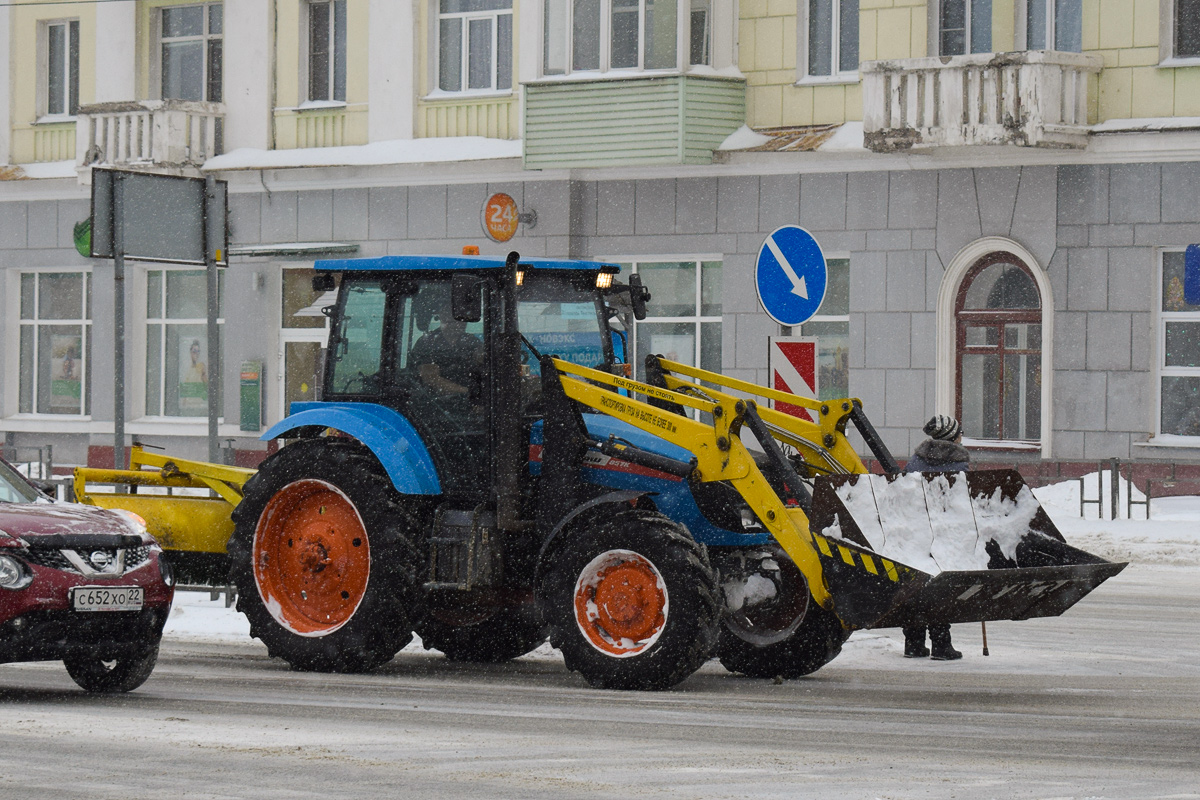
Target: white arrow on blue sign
column 790, row 275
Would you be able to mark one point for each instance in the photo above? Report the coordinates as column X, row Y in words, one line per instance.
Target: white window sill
column 1002, row 444
column 320, row 104
column 52, row 423
column 1173, row 63
column 184, row 426
column 841, row 79
column 441, row 95
column 1167, row 441
column 54, row 119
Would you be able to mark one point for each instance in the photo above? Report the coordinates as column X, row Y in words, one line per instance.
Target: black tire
column 372, row 632
column 484, row 636
column 685, row 629
column 793, row 636
column 99, row 675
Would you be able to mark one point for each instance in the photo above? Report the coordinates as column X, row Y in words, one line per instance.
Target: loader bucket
column 965, row 547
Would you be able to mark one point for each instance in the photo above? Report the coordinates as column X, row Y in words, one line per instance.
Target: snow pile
column 935, row 525
column 743, row 139
column 1065, row 496
column 399, row 151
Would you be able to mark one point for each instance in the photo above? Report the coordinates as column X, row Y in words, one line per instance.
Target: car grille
column 53, row 557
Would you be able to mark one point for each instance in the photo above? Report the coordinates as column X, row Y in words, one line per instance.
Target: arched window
column 998, row 351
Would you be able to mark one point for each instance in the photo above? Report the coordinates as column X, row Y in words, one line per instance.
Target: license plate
column 106, row 598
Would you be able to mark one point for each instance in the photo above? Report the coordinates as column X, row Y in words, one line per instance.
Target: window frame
column 163, row 322
column 683, row 18
column 804, row 76
column 1021, row 32
column 935, row 29
column 465, row 18
column 207, row 37
column 1161, row 370
column 338, row 57
column 36, row 322
column 70, row 88
column 823, row 390
column 1000, row 318
column 698, row 319
column 1167, row 32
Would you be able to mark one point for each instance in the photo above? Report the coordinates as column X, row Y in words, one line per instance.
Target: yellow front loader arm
column 721, row 456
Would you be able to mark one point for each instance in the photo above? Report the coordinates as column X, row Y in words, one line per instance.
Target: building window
column 475, row 39
column 832, row 36
column 56, row 343
column 1054, row 25
column 831, row 326
column 683, row 317
column 998, row 315
column 1187, row 28
column 964, row 26
column 603, row 35
column 1179, row 359
column 190, row 45
column 177, row 342
column 327, row 50
column 62, row 68
column 305, row 329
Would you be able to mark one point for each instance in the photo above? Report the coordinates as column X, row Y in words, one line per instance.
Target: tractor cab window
column 437, row 354
column 357, row 343
column 562, row 318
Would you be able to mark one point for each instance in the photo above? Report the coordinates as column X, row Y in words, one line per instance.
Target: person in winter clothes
column 941, row 452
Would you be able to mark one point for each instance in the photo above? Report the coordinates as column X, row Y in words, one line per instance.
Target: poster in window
column 66, row 369
column 193, row 376
column 679, row 347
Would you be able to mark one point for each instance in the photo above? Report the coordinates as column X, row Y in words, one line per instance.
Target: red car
column 81, row 584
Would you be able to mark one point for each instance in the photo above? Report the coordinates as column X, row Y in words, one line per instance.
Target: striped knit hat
column 943, row 427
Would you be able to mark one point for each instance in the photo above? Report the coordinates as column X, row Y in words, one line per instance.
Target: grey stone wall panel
column 351, row 215
column 464, row 213
column 868, row 281
column 843, row 243
column 1104, row 445
column 889, row 240
column 245, row 218
column 552, row 202
column 1073, row 235
column 1135, row 193
column 1087, row 279
column 1181, row 193
column 1034, row 221
column 1110, row 235
column 279, row 217
column 1082, row 194
column 907, row 406
column 858, row 338
column 314, row 215
column 388, row 212
column 997, row 192
column 1131, row 278
column 614, row 208
column 1067, row 444
column 935, row 273
column 924, row 239
column 912, row 199
column 1070, row 340
column 696, row 205
column 778, row 202
column 867, row 201
column 750, row 349
column 906, row 281
column 823, row 202
column 1129, row 397
column 1079, row 400
column 14, row 228
column 1108, row 340
column 655, row 207
column 71, row 212
column 43, row 224
column 427, row 211
column 737, row 204
column 957, row 212
column 888, row 341
column 1143, row 342
column 924, row 343
column 1166, row 235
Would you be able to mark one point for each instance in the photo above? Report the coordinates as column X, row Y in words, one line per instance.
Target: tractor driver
column 449, row 360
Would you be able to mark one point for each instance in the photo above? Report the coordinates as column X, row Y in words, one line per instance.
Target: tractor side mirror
column 466, row 298
column 639, row 295
column 324, row 282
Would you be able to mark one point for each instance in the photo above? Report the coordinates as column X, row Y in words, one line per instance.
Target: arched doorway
column 998, row 350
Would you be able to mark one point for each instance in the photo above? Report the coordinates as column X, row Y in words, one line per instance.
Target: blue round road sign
column 790, row 275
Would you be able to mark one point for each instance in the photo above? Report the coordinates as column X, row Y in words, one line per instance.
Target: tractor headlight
column 13, row 574
column 604, row 280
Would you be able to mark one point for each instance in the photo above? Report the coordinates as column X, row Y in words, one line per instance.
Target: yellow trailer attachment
column 151, row 489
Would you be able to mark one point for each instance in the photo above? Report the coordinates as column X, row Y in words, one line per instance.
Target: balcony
column 1035, row 98
column 175, row 136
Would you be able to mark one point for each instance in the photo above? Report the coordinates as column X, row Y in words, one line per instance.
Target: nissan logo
column 100, row 559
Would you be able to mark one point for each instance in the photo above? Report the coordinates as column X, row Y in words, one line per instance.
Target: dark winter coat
column 939, row 455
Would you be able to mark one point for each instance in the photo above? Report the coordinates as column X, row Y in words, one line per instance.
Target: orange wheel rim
column 621, row 603
column 312, row 559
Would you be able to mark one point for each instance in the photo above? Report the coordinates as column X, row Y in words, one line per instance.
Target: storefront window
column 55, row 343
column 831, row 327
column 683, row 321
column 1179, row 359
column 177, row 343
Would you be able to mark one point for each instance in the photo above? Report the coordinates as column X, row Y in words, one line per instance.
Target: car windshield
column 560, row 317
column 13, row 488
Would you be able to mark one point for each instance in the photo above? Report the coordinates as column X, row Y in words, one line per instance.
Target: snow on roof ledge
column 848, row 137
column 1147, row 124
column 46, row 169
column 398, row 151
column 744, row 138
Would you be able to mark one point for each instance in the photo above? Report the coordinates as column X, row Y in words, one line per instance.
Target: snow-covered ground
column 1168, row 541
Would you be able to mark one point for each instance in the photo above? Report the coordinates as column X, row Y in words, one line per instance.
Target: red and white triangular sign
column 792, row 362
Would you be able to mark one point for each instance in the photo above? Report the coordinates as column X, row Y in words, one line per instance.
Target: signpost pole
column 214, row 345
column 118, row 248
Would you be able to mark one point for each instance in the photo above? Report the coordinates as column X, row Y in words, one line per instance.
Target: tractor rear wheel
column 631, row 601
column 772, row 625
column 323, row 560
column 482, row 635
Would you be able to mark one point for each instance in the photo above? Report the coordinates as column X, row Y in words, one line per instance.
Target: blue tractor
column 479, row 469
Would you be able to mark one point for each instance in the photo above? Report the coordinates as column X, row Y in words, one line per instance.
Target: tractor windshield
column 561, row 316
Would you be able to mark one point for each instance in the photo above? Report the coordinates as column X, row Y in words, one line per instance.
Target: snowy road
column 1101, row 703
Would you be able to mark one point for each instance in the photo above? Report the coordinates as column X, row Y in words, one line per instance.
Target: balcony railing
column 177, row 135
column 1033, row 98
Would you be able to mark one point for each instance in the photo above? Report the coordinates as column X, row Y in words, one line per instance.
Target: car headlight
column 164, row 567
column 136, row 520
column 13, row 574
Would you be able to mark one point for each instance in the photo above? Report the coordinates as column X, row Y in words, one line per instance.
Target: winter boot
column 939, row 638
column 914, row 643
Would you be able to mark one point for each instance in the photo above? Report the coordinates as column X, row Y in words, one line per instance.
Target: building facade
column 1003, row 189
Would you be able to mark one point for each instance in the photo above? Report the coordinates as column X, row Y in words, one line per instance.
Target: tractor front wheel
column 631, row 601
column 322, row 558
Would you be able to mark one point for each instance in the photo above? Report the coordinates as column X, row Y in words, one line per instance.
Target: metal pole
column 118, row 243
column 214, row 345
column 1115, row 485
